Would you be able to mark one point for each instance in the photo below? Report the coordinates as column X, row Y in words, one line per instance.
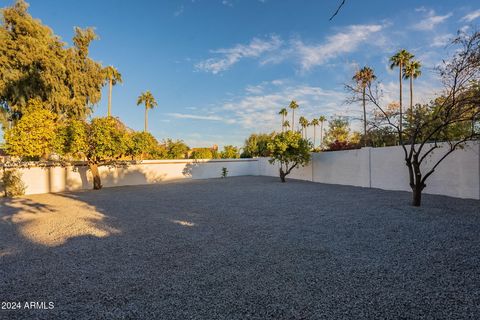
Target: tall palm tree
column 293, row 105
column 314, row 123
column 412, row 71
column 113, row 77
column 400, row 59
column 303, row 124
column 364, row 78
column 283, row 112
column 286, row 124
column 147, row 99
column 322, row 119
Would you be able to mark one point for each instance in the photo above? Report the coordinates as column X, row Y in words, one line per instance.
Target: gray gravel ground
column 249, row 248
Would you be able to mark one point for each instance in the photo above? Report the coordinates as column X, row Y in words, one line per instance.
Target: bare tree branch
column 338, row 10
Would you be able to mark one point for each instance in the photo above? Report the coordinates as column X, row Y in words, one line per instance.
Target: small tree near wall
column 290, row 150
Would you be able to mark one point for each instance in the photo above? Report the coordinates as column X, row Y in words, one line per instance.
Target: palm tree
column 400, row 59
column 284, row 113
column 293, row 105
column 412, row 71
column 286, row 124
column 322, row 119
column 314, row 123
column 148, row 100
column 364, row 78
column 113, row 77
column 303, row 124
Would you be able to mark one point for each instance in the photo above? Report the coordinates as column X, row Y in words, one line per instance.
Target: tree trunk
column 282, row 175
column 364, row 120
column 417, row 196
column 109, row 113
column 411, row 99
column 401, row 115
column 283, row 121
column 293, row 119
column 321, row 134
column 146, row 120
column 314, row 134
column 97, row 182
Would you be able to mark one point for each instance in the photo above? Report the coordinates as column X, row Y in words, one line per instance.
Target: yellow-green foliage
column 107, row 139
column 230, row 152
column 202, row 153
column 34, row 134
column 12, row 183
column 143, row 144
column 290, row 150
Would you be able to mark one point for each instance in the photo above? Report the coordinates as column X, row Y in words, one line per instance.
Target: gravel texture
column 240, row 248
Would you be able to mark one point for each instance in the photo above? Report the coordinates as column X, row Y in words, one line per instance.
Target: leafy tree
column 283, row 112
column 106, row 142
column 143, row 145
column 35, row 64
column 230, row 152
column 293, row 105
column 286, row 124
column 338, row 130
column 176, row 149
column 71, row 140
column 256, row 145
column 112, row 76
column 147, row 99
column 34, row 136
column 290, row 150
column 202, row 153
column 400, row 59
column 363, row 78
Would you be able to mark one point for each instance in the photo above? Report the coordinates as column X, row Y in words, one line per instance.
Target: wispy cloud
column 230, row 56
column 179, row 11
column 471, row 16
column 441, row 40
column 431, row 20
column 342, row 42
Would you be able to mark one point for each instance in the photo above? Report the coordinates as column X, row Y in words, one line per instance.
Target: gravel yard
column 240, row 248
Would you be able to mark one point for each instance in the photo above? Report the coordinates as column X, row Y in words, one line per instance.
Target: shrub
column 342, row 145
column 12, row 183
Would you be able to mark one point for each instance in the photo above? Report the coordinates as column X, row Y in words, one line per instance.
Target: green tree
column 143, row 145
column 283, row 112
column 314, row 123
column 338, row 130
column 400, row 59
column 34, row 135
column 364, row 78
column 303, row 125
column 286, row 124
column 112, row 76
column 202, row 153
column 106, row 142
column 147, row 99
column 256, row 145
column 230, row 152
column 176, row 149
column 293, row 105
column 290, row 151
column 412, row 71
column 35, row 64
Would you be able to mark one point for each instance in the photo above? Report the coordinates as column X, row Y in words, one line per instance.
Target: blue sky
column 221, row 69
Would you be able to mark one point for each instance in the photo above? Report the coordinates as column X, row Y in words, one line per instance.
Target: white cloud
column 199, row 117
column 431, row 21
column 345, row 41
column 471, row 16
column 441, row 40
column 230, row 56
column 179, row 11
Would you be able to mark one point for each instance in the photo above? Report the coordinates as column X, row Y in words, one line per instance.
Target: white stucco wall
column 58, row 179
column 458, row 175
